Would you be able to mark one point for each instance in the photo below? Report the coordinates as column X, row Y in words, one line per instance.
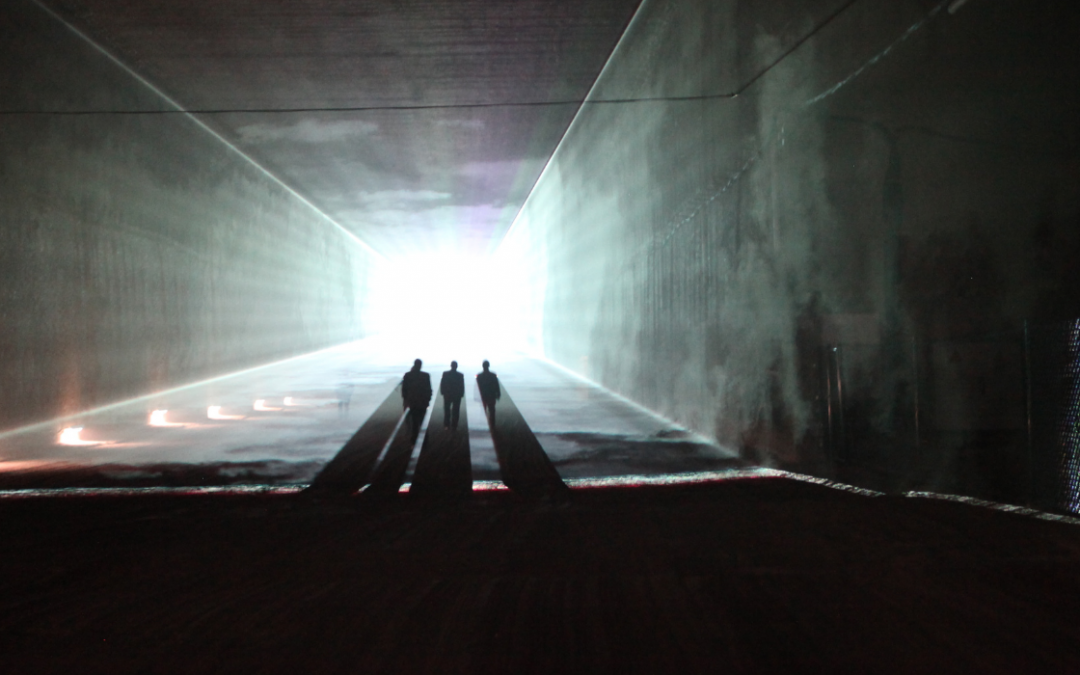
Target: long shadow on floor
column 525, row 466
column 350, row 469
column 444, row 468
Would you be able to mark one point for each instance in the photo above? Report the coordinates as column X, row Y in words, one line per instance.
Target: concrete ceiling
column 402, row 180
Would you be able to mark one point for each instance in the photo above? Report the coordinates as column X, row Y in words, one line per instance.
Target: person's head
column 416, row 364
column 453, row 365
column 486, row 364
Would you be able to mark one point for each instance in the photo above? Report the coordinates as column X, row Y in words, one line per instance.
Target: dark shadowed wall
column 832, row 271
column 139, row 252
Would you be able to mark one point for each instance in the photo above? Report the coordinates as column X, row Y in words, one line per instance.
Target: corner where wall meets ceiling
column 292, row 85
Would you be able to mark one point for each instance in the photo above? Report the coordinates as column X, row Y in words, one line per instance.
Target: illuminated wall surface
column 139, row 252
column 863, row 265
column 831, row 270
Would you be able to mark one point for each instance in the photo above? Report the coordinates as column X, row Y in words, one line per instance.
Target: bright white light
column 214, row 413
column 158, row 419
column 447, row 306
column 70, row 436
column 261, row 406
column 288, row 400
column 521, row 261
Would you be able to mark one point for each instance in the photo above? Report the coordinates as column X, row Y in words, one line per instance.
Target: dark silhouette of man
column 452, row 388
column 416, row 395
column 488, row 382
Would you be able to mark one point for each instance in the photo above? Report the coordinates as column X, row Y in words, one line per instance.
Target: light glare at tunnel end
column 450, row 305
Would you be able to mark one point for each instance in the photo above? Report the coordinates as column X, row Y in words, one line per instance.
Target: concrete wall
column 880, row 211
column 140, row 252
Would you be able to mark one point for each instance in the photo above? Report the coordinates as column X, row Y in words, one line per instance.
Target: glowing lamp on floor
column 70, row 436
column 158, row 419
column 214, row 413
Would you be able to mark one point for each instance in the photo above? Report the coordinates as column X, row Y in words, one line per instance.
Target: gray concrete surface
column 437, row 179
column 309, row 407
column 903, row 177
column 138, row 253
column 838, row 237
column 281, row 423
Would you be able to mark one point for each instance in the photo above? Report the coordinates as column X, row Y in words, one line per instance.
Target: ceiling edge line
column 551, row 158
column 170, row 101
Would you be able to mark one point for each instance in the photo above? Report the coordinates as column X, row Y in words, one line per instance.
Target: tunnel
column 780, row 301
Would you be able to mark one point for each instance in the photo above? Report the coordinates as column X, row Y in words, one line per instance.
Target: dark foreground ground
column 757, row 576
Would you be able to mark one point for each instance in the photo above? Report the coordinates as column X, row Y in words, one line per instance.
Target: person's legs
column 457, row 411
column 416, row 418
column 446, row 413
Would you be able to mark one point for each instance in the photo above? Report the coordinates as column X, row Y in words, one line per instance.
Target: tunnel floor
column 765, row 575
column 279, row 425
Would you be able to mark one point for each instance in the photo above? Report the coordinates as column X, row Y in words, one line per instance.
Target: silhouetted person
column 416, row 395
column 452, row 388
column 488, row 382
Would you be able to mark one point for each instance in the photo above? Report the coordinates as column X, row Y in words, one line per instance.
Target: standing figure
column 452, row 388
column 488, row 382
column 416, row 395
